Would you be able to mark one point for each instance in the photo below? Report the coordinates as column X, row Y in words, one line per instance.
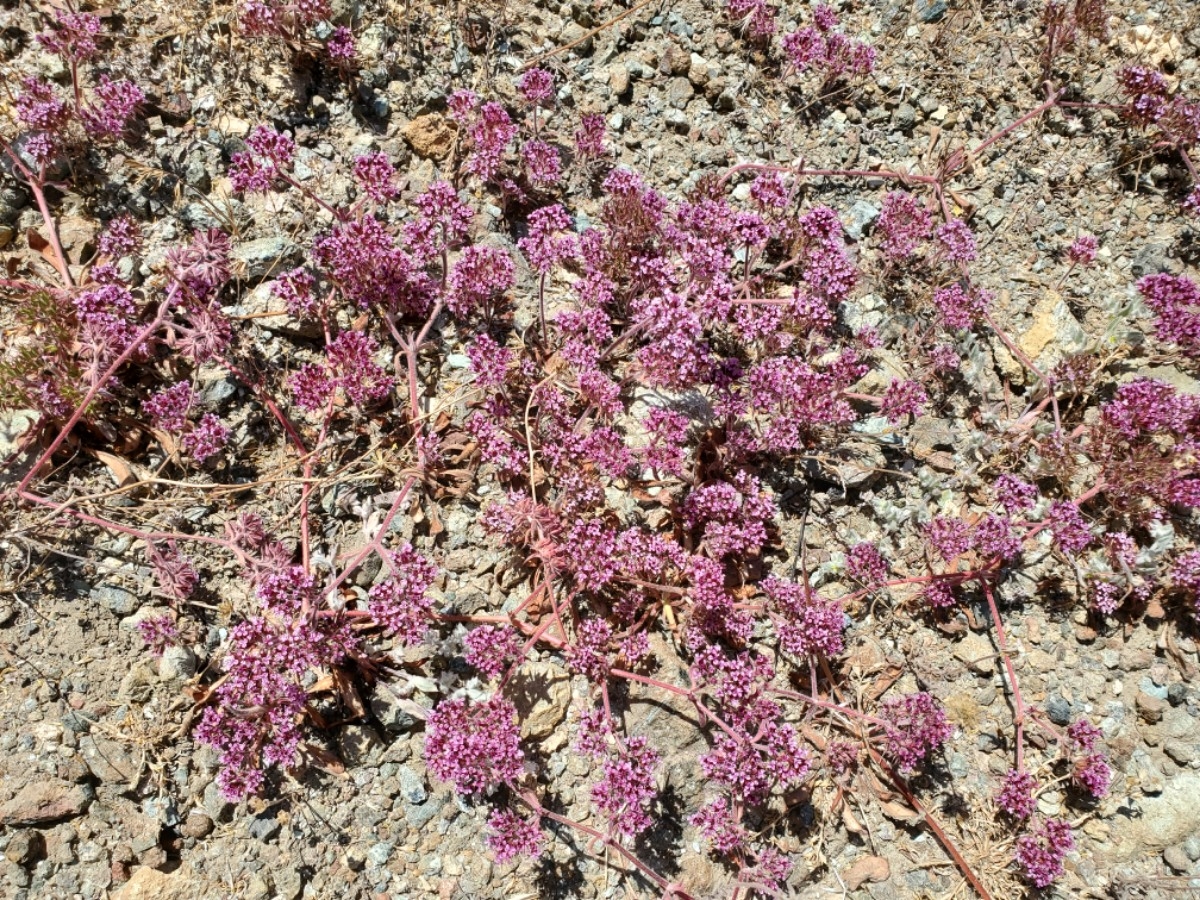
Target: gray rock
column 1058, row 709
column 419, row 815
column 354, row 859
column 216, row 805
column 44, row 802
column 1177, row 859
column 108, row 760
column 1183, row 753
column 357, row 743
column 288, row 883
column 261, row 257
column 389, row 709
column 680, row 92
column 931, row 10
column 256, row 888
column 1191, row 847
column 176, row 664
column 1167, row 818
column 906, row 116
column 14, row 425
column 264, row 828
column 380, row 853
column 412, row 786
column 861, row 214
column 541, row 692
column 116, row 600
column 618, row 80
column 1177, row 693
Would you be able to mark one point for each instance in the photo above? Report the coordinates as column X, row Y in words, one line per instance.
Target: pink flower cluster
column 1040, row 853
column 474, row 745
column 821, row 48
column 916, row 725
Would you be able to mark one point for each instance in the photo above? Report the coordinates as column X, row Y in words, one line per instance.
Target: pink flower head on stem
column 1040, row 854
column 173, row 571
column 536, row 86
column 492, row 649
column 1082, row 251
column 510, row 836
column 589, row 137
column 73, row 35
column 916, row 726
column 626, row 789
column 479, row 277
column 168, row 409
column 376, row 177
column 865, row 564
column 159, row 633
column 400, row 603
column 340, row 46
column 268, row 154
column 549, row 241
column 902, row 399
column 474, row 745
column 354, row 370
column 904, row 222
column 113, row 106
column 121, row 237
column 1016, row 792
column 206, row 439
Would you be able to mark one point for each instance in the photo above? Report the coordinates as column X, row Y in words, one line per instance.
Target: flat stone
column 680, row 92
column 1166, row 818
column 197, row 825
column 288, row 883
column 1055, row 332
column 108, row 760
column 176, row 664
column 977, row 652
column 116, row 600
column 1058, row 709
column 1177, row 859
column 259, row 258
column 14, row 425
column 412, row 786
column 618, row 79
column 861, row 215
column 357, row 743
column 45, row 802
column 1150, row 708
column 264, row 828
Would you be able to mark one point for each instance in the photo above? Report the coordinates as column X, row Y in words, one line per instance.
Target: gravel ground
column 103, row 792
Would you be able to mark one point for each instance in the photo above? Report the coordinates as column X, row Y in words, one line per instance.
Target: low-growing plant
column 679, row 354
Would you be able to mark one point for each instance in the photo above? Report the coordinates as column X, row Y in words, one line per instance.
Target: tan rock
column 430, row 135
column 1055, row 331
column 542, row 693
column 151, row 884
column 42, row 802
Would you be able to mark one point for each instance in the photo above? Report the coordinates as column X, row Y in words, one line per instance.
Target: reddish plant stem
column 376, row 543
column 1004, row 132
column 1018, row 702
column 122, row 357
column 268, row 401
column 938, row 831
column 669, row 890
column 37, row 186
column 338, row 216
